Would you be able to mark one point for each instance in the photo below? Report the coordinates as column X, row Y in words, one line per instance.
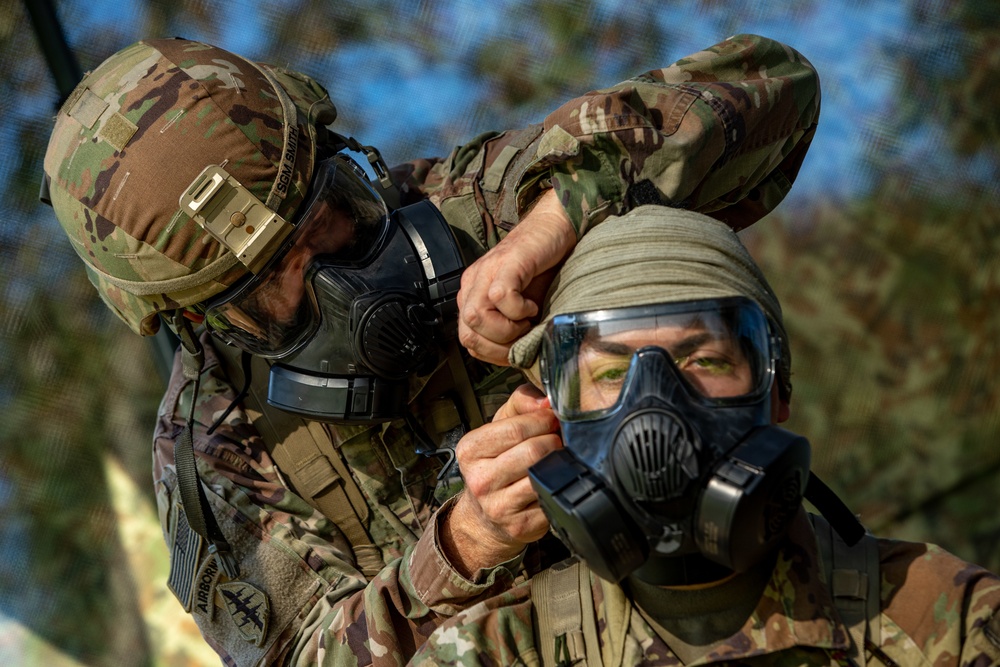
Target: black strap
column 834, row 510
column 196, row 508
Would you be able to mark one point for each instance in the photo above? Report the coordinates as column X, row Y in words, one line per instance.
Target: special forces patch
column 249, row 608
column 185, row 550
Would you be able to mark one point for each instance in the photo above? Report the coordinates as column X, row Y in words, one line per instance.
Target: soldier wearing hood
column 655, row 455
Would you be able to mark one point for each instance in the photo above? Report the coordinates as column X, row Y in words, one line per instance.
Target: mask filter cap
column 394, row 343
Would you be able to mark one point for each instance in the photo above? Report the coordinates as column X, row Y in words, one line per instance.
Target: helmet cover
column 133, row 136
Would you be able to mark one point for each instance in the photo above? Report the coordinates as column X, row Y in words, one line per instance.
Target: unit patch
column 204, row 588
column 185, row 552
column 249, row 608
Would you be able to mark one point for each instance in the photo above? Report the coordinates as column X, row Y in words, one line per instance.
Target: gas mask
column 347, row 303
column 671, row 467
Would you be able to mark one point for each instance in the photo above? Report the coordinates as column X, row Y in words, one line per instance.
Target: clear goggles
column 722, row 349
column 274, row 312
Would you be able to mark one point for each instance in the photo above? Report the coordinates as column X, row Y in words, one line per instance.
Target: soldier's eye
column 712, row 365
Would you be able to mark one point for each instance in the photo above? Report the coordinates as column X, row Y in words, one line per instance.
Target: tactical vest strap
column 466, row 392
column 307, row 457
column 564, row 616
column 853, row 573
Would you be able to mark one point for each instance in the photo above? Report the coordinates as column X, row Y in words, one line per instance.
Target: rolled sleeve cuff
column 440, row 586
column 583, row 174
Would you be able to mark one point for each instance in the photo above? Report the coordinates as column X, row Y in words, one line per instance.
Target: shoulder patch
column 249, row 608
column 185, row 552
column 203, row 601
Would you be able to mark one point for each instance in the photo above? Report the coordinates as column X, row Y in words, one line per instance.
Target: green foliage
column 77, row 395
column 953, row 82
column 890, row 307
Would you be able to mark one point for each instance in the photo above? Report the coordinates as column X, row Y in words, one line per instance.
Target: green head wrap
column 655, row 254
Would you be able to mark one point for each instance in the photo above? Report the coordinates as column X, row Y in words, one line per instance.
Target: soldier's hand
column 498, row 514
column 501, row 291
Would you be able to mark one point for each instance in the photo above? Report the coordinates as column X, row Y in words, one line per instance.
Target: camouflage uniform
column 723, row 131
column 934, row 610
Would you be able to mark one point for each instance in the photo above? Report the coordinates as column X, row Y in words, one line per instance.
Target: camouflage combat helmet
column 134, row 135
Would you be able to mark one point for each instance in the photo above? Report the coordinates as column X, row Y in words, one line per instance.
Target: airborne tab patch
column 249, row 608
column 203, row 602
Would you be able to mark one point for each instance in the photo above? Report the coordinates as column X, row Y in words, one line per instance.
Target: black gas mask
column 350, row 304
column 671, row 467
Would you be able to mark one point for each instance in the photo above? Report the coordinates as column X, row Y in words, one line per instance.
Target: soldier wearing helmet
column 654, row 453
column 302, row 468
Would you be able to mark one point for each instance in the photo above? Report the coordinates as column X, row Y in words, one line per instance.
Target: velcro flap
column 850, row 584
column 494, row 175
column 117, row 131
column 565, row 605
column 87, row 107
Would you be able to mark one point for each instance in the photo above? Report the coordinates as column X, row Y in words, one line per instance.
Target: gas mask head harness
column 347, row 302
column 672, row 468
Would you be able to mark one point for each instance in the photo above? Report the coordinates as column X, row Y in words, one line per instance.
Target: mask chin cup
column 588, row 519
column 751, row 498
column 359, row 399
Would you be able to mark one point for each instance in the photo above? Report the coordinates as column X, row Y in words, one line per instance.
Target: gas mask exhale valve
column 671, row 467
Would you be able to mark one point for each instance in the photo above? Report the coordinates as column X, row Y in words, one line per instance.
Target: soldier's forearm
column 470, row 544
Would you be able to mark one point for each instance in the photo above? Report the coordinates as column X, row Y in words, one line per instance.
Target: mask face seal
column 670, row 458
column 350, row 305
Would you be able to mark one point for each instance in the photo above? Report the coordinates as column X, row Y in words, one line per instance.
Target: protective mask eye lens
column 267, row 319
column 344, row 223
column 602, row 375
column 720, row 349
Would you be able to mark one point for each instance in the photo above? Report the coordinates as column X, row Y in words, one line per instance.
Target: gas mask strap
column 196, row 508
column 383, row 182
column 834, row 510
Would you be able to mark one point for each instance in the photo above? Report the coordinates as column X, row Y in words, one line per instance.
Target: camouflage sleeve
column 937, row 609
column 398, row 610
column 722, row 131
column 497, row 631
column 300, row 596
